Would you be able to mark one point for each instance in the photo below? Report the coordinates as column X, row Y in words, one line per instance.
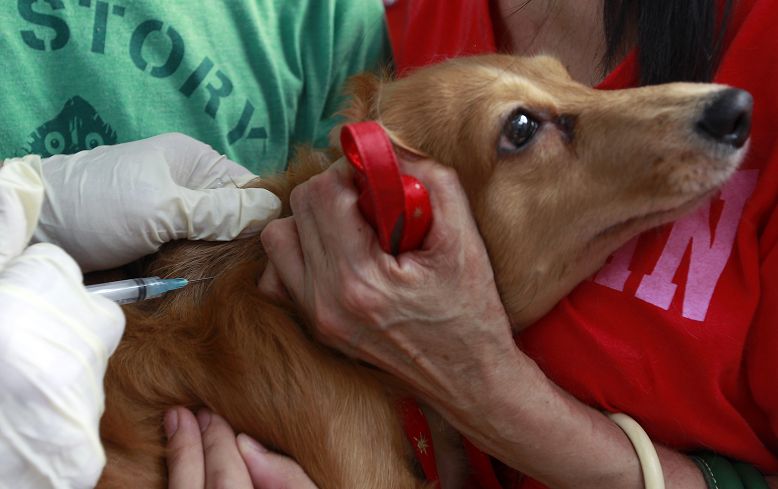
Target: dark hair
column 678, row 40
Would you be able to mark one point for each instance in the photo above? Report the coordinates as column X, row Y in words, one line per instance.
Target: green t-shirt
column 251, row 78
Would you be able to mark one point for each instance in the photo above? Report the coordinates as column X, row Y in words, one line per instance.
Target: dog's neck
column 570, row 30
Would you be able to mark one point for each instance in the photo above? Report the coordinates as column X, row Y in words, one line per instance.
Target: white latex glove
column 111, row 205
column 55, row 340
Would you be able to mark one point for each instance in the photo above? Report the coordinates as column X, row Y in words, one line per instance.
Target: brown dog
column 558, row 176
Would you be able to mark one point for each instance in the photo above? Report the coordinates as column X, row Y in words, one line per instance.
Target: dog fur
column 601, row 168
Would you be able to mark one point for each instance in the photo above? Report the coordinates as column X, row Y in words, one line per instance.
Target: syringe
column 137, row 289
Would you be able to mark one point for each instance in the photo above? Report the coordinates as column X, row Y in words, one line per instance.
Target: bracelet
column 721, row 473
column 653, row 478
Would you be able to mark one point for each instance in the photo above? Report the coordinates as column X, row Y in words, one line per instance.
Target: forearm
column 534, row 426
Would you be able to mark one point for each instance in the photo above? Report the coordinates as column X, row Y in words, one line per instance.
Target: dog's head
column 560, row 175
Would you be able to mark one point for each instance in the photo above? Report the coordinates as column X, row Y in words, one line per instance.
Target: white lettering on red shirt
column 709, row 254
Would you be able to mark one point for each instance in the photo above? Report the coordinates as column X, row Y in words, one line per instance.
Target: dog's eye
column 517, row 132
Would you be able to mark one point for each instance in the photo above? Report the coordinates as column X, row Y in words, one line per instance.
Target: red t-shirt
column 680, row 328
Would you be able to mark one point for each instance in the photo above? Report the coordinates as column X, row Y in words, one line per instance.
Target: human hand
column 114, row 204
column 204, row 452
column 55, row 340
column 432, row 317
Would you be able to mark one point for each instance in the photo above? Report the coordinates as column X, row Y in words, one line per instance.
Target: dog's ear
column 364, row 91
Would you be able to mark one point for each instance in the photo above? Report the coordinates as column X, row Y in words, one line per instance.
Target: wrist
column 535, row 427
column 508, row 385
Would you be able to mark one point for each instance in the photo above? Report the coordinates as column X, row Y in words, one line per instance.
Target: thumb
column 451, row 212
column 270, row 470
column 447, row 196
column 223, row 214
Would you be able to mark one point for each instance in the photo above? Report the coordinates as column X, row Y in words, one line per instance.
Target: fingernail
column 171, row 422
column 203, row 419
column 249, row 444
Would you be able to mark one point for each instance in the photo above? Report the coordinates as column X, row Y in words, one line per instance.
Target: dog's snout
column 727, row 118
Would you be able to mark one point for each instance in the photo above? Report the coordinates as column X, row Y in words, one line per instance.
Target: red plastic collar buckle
column 397, row 206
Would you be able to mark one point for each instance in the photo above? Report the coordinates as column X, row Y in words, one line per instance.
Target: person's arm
column 534, row 426
column 434, row 319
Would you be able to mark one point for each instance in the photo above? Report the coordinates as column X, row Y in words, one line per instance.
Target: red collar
column 419, row 435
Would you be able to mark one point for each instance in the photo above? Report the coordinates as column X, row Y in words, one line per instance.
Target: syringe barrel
column 127, row 291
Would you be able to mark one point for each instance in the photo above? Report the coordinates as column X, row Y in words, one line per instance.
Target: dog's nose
column 727, row 118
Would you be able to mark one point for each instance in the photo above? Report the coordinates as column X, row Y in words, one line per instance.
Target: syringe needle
column 200, row 279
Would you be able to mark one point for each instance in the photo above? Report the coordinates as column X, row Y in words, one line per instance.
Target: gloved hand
column 111, row 205
column 55, row 340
